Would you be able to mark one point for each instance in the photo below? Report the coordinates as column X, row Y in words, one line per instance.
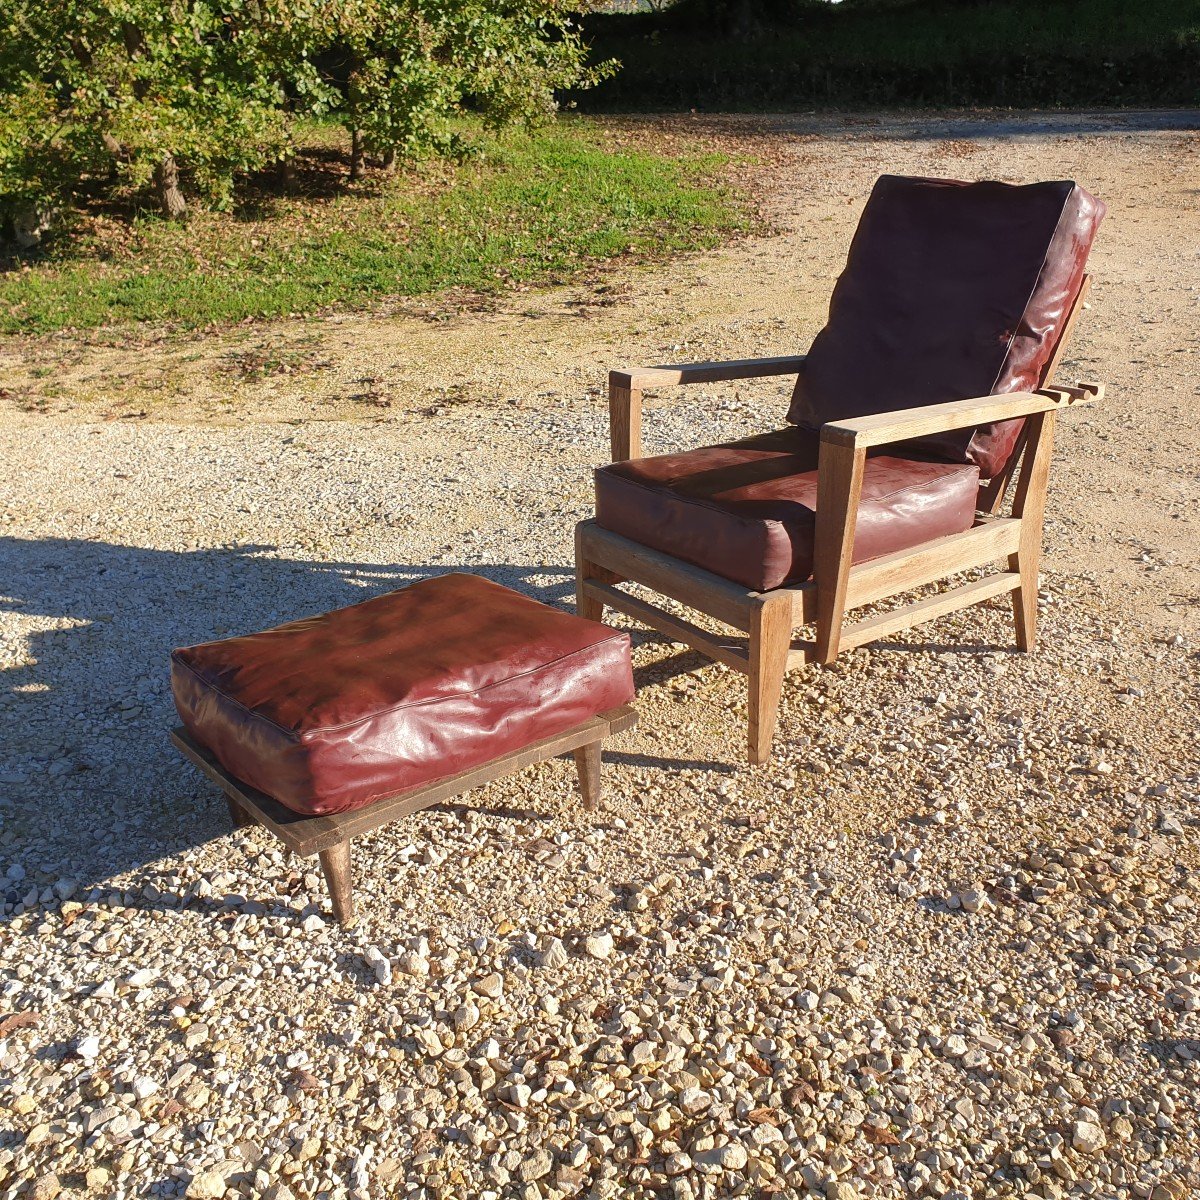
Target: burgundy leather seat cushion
column 746, row 510
column 331, row 712
column 951, row 290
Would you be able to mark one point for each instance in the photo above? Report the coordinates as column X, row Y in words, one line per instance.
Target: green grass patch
column 708, row 54
column 529, row 208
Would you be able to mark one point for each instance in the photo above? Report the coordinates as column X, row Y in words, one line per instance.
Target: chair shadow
column 963, row 648
column 90, row 788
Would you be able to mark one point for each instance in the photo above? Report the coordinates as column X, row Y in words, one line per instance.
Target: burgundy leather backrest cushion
column 951, row 290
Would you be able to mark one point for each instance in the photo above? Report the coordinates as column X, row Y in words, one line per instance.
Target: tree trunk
column 389, row 159
column 287, row 173
column 166, row 188
column 356, row 155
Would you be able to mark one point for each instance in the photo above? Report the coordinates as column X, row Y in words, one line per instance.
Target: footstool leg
column 335, row 863
column 587, row 762
column 237, row 814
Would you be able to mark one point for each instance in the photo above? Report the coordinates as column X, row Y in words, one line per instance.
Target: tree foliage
column 190, row 94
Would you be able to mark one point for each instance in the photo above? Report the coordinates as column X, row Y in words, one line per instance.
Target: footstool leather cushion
column 332, row 712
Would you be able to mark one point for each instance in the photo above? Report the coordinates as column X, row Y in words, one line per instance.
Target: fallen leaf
column 802, row 1093
column 877, row 1135
column 763, row 1116
column 759, row 1064
column 1063, row 1039
column 19, row 1020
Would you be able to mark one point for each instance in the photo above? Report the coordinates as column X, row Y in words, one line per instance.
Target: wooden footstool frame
column 329, row 836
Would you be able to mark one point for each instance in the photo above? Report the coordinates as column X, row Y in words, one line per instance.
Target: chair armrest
column 705, row 372
column 881, row 429
column 625, row 391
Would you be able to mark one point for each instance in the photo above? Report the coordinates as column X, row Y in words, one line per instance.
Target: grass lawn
column 530, row 208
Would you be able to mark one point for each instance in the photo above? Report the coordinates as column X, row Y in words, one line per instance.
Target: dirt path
column 1127, row 485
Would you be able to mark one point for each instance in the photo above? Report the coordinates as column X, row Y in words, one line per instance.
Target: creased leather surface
column 329, row 713
column 951, row 290
column 745, row 510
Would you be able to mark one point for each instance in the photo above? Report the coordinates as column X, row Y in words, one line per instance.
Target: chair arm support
column 625, row 391
column 844, row 446
column 881, row 429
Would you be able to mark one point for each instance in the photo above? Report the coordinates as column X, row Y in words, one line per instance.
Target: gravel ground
column 947, row 945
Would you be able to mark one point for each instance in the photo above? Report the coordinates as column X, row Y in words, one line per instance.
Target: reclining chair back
column 951, row 290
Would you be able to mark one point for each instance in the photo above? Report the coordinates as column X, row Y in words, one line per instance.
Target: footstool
column 328, row 727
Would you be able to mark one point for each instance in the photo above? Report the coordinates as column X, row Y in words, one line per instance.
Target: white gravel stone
column 553, row 956
column 88, row 1048
column 1088, row 1137
column 599, row 945
column 379, row 964
column 727, row 1157
column 207, row 1185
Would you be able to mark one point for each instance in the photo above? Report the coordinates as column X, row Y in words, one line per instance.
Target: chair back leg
column 1029, row 505
column 770, row 644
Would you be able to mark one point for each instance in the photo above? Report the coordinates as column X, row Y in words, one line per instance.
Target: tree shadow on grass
column 89, row 785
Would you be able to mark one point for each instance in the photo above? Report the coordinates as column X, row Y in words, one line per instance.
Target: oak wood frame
column 604, row 560
column 329, row 836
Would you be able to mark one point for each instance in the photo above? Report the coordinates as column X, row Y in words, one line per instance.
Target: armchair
column 921, row 402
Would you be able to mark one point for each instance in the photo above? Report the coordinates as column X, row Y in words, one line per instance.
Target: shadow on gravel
column 89, row 785
column 1182, row 1051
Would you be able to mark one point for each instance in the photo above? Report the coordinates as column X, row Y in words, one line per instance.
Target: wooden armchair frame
column 604, row 560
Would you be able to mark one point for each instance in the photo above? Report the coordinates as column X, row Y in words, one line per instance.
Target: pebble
column 46, row 1187
column 535, row 1167
column 88, row 1048
column 599, row 945
column 1088, row 1137
column 379, row 964
column 727, row 1157
column 414, row 964
column 491, row 986
column 553, row 956
column 840, row 1190
column 207, row 1185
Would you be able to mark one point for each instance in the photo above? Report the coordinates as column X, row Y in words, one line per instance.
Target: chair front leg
column 1029, row 505
column 839, row 486
column 770, row 644
column 590, row 607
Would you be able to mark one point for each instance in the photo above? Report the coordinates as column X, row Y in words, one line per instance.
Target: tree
column 406, row 68
column 138, row 87
column 168, row 94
